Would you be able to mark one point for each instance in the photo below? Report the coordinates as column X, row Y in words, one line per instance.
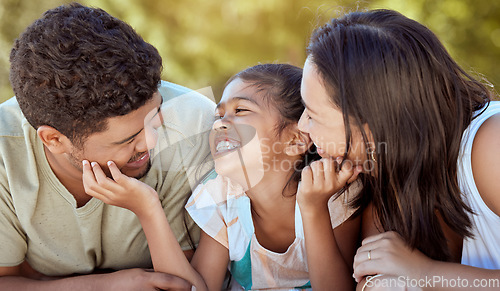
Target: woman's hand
column 388, row 254
column 122, row 191
column 321, row 179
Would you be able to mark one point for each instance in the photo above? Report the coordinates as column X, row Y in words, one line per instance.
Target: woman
column 381, row 91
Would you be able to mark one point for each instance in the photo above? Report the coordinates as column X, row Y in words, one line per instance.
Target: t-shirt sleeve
column 339, row 208
column 13, row 244
column 206, row 206
column 183, row 155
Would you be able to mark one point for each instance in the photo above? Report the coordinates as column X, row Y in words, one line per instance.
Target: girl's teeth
column 225, row 145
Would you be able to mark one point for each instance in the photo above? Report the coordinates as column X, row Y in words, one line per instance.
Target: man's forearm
column 84, row 282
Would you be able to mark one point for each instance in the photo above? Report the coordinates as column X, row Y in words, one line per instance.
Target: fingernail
column 85, row 162
column 94, row 164
column 109, row 163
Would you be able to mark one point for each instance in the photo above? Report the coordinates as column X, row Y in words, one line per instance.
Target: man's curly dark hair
column 76, row 66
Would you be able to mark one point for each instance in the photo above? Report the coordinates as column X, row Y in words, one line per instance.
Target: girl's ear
column 56, row 142
column 299, row 144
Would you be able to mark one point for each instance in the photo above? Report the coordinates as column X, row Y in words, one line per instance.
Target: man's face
column 126, row 141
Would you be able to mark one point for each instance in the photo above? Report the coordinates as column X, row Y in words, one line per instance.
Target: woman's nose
column 302, row 122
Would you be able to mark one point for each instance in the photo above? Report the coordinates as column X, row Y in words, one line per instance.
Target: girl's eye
column 217, row 117
column 130, row 141
column 238, row 110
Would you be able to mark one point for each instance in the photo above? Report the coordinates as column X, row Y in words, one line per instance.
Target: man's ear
column 55, row 141
column 298, row 144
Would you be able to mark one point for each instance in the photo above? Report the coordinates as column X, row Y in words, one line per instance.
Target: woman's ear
column 299, row 144
column 55, row 141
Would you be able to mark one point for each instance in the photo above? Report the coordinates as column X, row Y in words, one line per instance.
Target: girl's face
column 325, row 122
column 243, row 140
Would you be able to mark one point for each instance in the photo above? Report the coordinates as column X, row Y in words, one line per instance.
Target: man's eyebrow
column 128, row 138
column 137, row 133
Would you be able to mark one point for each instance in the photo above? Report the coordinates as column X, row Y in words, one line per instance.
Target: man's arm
column 19, row 278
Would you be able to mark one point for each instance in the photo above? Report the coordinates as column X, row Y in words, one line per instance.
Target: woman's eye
column 130, row 141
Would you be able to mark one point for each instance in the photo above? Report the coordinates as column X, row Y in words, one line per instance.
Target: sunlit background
column 204, row 42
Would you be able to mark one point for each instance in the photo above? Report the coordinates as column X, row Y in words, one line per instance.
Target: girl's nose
column 221, row 124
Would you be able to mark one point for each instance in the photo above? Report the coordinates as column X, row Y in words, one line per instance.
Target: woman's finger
column 318, row 173
column 345, row 173
column 357, row 170
column 306, row 177
column 374, row 238
column 368, row 268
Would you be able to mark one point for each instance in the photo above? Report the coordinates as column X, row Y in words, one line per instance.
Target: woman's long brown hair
column 393, row 74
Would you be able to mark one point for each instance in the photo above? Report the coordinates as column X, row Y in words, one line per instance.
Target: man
column 88, row 87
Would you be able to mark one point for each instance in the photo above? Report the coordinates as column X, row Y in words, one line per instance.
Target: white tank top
column 483, row 250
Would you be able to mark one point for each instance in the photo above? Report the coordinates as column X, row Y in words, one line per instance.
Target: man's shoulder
column 195, row 101
column 11, row 118
column 186, row 111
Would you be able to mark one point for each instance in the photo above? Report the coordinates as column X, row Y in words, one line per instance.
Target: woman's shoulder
column 485, row 161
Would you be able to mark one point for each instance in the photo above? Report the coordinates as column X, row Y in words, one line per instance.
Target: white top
column 483, row 250
column 222, row 210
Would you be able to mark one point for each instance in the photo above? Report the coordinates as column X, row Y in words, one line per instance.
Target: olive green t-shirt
column 39, row 219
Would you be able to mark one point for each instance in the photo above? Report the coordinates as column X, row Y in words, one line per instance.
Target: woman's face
column 324, row 121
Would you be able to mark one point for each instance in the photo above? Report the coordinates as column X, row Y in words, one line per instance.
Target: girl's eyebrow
column 238, row 98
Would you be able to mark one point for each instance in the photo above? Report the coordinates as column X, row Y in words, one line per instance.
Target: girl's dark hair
column 77, row 66
column 393, row 74
column 280, row 86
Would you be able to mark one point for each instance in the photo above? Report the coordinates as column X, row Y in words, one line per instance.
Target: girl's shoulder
column 215, row 190
column 215, row 206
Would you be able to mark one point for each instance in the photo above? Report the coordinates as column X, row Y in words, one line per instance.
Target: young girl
column 432, row 132
column 252, row 215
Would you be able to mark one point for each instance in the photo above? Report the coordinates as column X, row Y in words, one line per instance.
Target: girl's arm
column 130, row 193
column 329, row 253
column 211, row 260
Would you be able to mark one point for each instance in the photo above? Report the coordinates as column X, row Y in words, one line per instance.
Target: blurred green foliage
column 204, row 42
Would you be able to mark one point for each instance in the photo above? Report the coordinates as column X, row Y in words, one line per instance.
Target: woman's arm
column 141, row 199
column 328, row 266
column 485, row 161
column 388, row 254
column 211, row 260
